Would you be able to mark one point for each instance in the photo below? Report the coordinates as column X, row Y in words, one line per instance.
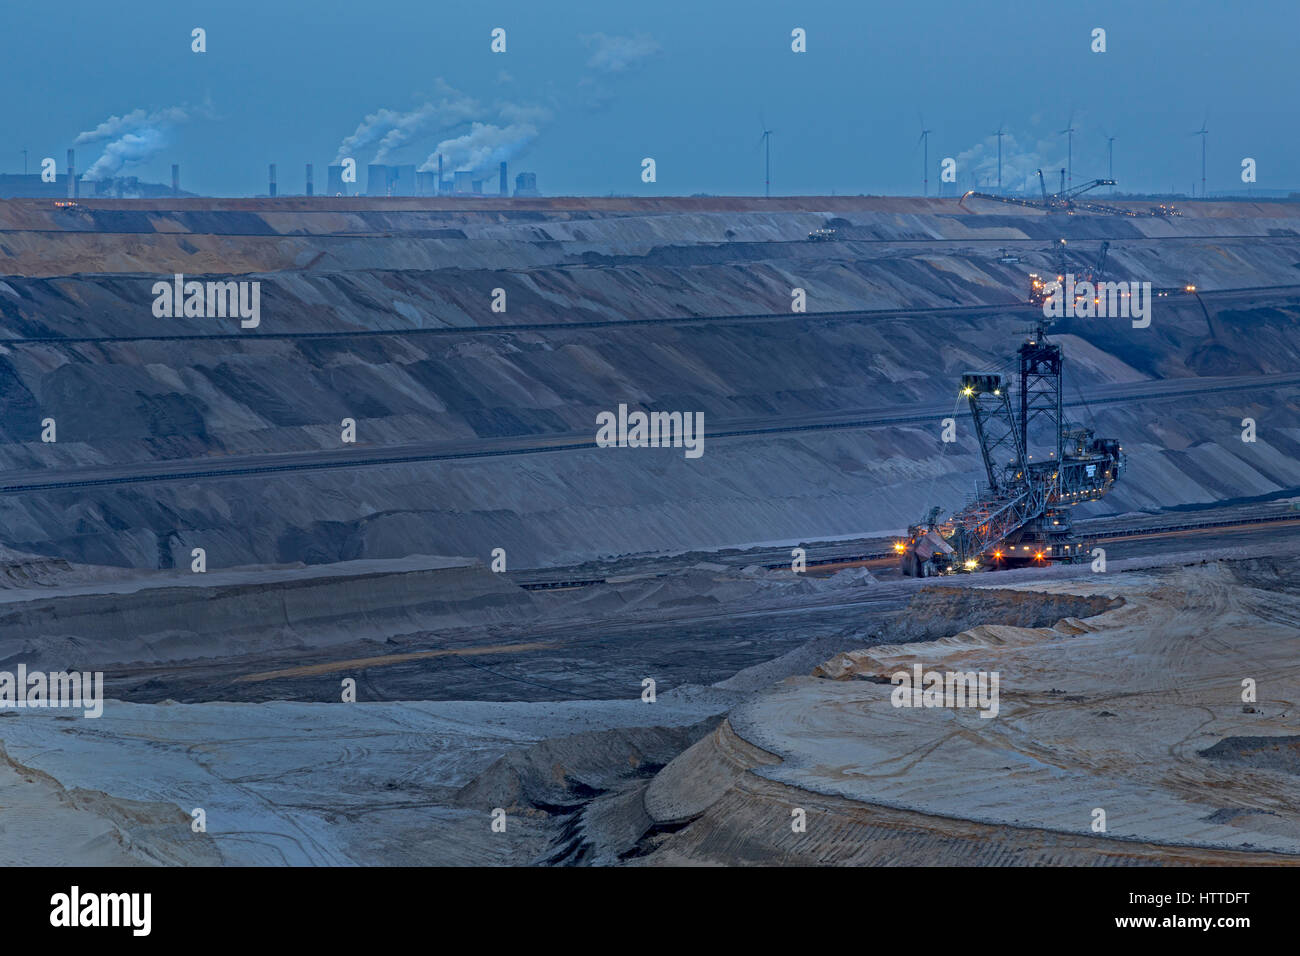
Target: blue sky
column 593, row 87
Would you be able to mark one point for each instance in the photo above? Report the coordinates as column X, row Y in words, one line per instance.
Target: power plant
column 526, row 185
column 382, row 180
column 406, row 180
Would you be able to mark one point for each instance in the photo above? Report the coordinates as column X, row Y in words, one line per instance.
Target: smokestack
column 176, row 179
column 309, row 185
column 272, row 173
column 72, row 174
column 503, row 189
column 334, row 185
column 440, row 172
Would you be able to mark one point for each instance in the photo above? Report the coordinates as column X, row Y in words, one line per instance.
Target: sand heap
column 1137, row 712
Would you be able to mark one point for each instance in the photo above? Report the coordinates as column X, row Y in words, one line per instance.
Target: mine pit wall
column 397, row 266
column 559, row 508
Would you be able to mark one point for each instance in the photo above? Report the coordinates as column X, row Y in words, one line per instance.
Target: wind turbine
column 1069, row 162
column 999, row 134
column 1110, row 159
column 766, row 141
column 925, row 170
column 1204, row 134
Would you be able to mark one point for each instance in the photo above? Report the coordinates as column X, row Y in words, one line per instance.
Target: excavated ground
column 342, row 267
column 417, row 782
column 475, row 695
column 1137, row 711
column 1119, row 691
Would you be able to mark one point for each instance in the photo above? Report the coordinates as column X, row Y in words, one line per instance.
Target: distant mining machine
column 1038, row 467
column 1064, row 200
column 1040, row 289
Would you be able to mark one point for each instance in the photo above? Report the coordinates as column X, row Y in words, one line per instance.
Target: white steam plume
column 978, row 166
column 484, row 146
column 392, row 129
column 134, row 137
column 489, row 140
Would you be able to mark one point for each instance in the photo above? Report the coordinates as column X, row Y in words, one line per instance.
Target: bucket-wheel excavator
column 1038, row 467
